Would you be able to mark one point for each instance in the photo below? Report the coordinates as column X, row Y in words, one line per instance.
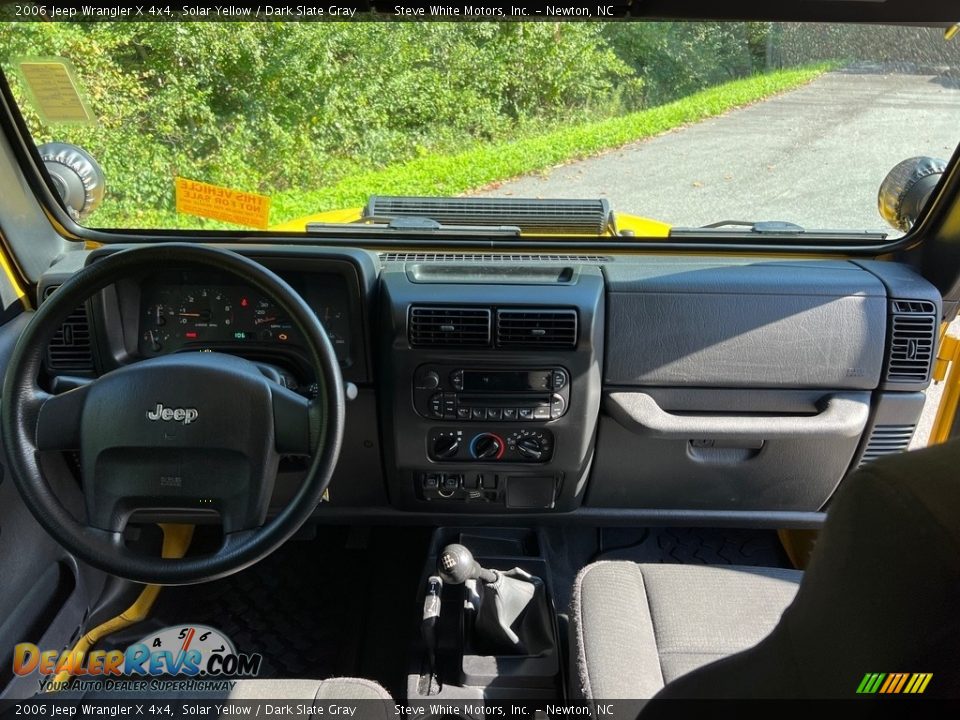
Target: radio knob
column 530, row 447
column 487, row 446
column 431, row 380
column 446, row 446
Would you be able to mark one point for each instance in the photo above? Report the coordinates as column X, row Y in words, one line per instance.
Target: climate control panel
column 508, row 445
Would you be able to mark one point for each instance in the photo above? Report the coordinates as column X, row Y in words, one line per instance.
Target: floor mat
column 310, row 607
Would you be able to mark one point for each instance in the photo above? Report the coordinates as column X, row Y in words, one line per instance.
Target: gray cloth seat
column 880, row 595
column 638, row 627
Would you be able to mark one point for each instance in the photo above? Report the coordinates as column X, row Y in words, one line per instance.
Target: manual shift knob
column 456, row 565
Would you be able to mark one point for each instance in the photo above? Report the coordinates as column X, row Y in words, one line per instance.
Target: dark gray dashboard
column 605, row 387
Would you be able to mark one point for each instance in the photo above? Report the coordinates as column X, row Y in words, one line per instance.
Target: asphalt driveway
column 814, row 156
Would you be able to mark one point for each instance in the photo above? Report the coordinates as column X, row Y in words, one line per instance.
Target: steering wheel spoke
column 292, row 422
column 59, row 419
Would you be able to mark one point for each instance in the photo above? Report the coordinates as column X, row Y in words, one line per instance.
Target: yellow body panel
column 639, row 226
column 176, row 540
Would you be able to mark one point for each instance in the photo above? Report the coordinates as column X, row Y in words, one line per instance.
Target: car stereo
column 444, row 392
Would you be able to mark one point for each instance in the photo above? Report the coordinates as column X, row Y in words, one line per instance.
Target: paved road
column 814, row 156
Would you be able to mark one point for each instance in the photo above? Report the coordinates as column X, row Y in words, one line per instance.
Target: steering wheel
column 182, row 431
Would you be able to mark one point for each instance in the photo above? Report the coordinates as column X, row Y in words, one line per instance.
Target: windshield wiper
column 407, row 226
column 745, row 229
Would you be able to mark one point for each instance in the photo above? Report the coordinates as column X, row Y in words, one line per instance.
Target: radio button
column 525, row 413
column 463, row 413
column 456, row 379
column 541, row 413
column 557, row 406
column 436, row 405
column 559, row 379
column 509, row 413
column 478, row 414
column 494, row 414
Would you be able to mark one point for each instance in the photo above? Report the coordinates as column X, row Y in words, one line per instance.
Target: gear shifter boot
column 514, row 618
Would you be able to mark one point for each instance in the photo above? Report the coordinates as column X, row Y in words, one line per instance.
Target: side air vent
column 912, row 338
column 70, row 350
column 487, row 259
column 547, row 215
column 887, row 440
column 536, row 328
column 449, row 326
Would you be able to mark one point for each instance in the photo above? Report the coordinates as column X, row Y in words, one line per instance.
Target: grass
column 447, row 175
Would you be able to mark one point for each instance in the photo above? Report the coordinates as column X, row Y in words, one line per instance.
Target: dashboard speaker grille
column 70, row 349
column 912, row 339
column 887, row 440
column 536, row 328
column 448, row 326
column 488, row 258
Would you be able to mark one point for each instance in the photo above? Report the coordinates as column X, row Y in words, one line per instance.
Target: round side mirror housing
column 78, row 178
column 906, row 189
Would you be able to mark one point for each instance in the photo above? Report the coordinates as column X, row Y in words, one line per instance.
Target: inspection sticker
column 222, row 203
column 52, row 86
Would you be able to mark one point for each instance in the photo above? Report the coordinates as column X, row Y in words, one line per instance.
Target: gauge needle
column 189, row 314
column 261, row 321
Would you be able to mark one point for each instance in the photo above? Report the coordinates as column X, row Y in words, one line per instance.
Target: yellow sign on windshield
column 222, row 203
column 52, row 86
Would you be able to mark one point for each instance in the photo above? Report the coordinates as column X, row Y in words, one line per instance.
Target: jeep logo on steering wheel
column 184, row 415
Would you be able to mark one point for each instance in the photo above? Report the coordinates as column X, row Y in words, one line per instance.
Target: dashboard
column 686, row 385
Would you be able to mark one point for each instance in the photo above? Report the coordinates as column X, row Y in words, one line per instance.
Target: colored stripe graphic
column 894, row 683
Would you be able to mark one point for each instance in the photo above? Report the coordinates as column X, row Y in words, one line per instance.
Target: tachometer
column 201, row 310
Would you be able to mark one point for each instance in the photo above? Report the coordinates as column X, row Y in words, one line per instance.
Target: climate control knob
column 446, row 446
column 530, row 447
column 487, row 446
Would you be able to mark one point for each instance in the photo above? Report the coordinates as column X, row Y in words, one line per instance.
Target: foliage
column 310, row 112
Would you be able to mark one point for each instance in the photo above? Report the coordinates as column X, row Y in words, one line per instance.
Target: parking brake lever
column 428, row 630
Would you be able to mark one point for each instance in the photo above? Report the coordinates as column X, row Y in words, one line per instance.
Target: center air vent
column 449, row 326
column 912, row 339
column 536, row 328
column 70, row 350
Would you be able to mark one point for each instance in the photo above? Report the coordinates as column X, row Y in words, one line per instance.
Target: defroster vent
column 70, row 349
column 536, row 328
column 912, row 340
column 449, row 327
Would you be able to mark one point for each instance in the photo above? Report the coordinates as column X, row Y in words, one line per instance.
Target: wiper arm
column 745, row 229
column 408, row 226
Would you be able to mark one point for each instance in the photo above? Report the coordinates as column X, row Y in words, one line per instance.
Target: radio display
column 506, row 380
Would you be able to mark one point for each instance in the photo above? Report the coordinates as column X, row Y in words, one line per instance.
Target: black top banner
column 893, row 11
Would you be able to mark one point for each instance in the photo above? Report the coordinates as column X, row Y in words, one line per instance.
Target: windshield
column 275, row 124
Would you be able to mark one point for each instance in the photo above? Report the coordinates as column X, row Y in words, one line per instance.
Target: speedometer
column 270, row 321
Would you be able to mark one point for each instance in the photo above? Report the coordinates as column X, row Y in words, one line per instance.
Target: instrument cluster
column 189, row 310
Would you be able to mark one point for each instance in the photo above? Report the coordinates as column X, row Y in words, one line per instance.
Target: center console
column 490, row 384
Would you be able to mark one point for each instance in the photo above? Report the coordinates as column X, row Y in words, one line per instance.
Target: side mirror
column 906, row 189
column 78, row 178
